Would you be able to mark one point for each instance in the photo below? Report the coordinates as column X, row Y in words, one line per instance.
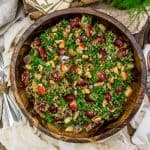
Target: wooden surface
column 138, row 85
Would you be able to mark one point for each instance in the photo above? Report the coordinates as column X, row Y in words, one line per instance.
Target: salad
column 78, row 74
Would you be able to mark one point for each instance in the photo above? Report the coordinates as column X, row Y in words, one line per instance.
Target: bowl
column 138, row 84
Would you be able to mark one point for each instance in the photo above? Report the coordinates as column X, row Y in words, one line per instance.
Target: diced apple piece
column 64, row 68
column 85, row 91
column 88, row 74
column 128, row 91
column 102, row 27
column 28, row 67
column 67, row 120
column 124, row 75
column 69, row 129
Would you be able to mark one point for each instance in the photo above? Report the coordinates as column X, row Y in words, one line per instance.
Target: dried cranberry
column 101, row 76
column 42, row 107
column 61, row 51
column 75, row 22
column 122, row 52
column 25, row 78
column 42, row 53
column 59, row 119
column 89, row 114
column 89, row 30
column 53, row 108
column 118, row 42
column 83, row 82
column 103, row 54
column 37, row 43
column 119, row 90
column 88, row 98
column 69, row 97
column 108, row 96
column 72, row 69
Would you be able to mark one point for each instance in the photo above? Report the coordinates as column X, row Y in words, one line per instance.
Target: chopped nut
column 88, row 74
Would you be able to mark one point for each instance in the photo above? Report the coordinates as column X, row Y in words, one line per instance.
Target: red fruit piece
column 72, row 69
column 73, row 105
column 83, row 82
column 75, row 22
column 122, row 52
column 108, row 96
column 88, row 98
column 89, row 114
column 56, row 76
column 100, row 39
column 25, row 78
column 42, row 53
column 61, row 51
column 103, row 54
column 101, row 76
column 82, row 44
column 69, row 97
column 42, row 107
column 53, row 108
column 89, row 30
column 119, row 90
column 118, row 42
column 59, row 119
column 41, row 90
column 37, row 43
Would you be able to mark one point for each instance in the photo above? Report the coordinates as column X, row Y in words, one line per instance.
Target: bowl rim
column 119, row 26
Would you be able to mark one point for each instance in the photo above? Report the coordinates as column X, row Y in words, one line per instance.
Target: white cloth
column 24, row 137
